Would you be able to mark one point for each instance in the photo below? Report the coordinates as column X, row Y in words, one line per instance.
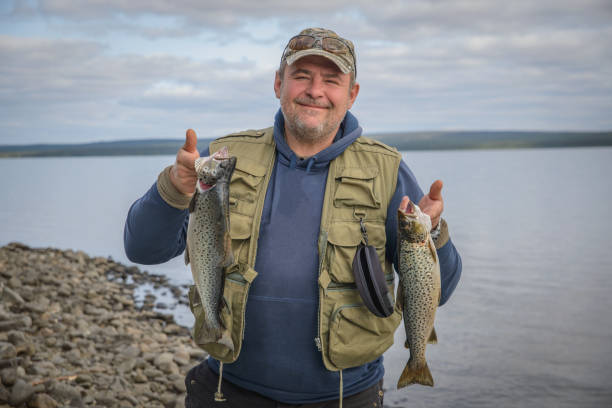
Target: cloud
column 107, row 69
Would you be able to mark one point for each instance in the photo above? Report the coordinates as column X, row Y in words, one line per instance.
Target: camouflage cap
column 339, row 50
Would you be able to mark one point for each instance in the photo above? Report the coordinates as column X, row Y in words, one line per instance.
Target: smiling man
column 299, row 197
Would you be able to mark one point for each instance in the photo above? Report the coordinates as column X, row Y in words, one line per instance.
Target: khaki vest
column 360, row 184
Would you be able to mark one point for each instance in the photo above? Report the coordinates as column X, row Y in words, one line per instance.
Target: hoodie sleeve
column 450, row 260
column 156, row 226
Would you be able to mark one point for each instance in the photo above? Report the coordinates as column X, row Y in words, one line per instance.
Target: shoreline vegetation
column 72, row 333
column 445, row 140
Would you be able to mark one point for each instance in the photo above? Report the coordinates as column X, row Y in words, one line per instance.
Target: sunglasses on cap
column 330, row 44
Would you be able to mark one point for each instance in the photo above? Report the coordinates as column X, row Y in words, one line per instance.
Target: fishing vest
column 360, row 184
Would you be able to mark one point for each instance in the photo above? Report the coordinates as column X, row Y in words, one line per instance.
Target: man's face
column 314, row 96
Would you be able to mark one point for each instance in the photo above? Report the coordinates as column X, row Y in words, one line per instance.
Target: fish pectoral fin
column 228, row 256
column 433, row 337
column 192, row 203
column 226, row 305
column 186, row 254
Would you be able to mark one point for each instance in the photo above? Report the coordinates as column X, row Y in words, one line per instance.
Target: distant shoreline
column 458, row 140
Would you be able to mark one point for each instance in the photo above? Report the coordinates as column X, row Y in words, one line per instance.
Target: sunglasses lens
column 301, row 42
column 334, row 45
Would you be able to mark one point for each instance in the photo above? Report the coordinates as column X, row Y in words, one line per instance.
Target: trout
column 419, row 271
column 209, row 247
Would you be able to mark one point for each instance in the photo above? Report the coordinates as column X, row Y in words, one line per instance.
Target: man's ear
column 277, row 85
column 353, row 94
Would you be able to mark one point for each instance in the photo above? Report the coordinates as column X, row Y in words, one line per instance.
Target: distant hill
column 400, row 140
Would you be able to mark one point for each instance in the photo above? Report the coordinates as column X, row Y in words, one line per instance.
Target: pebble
column 72, row 333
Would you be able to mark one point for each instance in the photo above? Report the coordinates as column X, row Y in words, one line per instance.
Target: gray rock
column 19, row 323
column 7, row 351
column 106, row 399
column 20, row 393
column 4, row 394
column 153, row 373
column 65, row 393
column 42, row 401
column 128, row 397
column 9, row 295
column 179, row 385
column 8, row 375
column 139, row 377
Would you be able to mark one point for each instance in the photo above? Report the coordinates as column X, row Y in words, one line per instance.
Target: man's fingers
column 191, row 141
column 435, row 192
column 404, row 204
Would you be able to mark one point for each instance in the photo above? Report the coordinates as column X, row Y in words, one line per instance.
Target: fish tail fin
column 433, row 337
column 415, row 375
column 226, row 340
column 208, row 333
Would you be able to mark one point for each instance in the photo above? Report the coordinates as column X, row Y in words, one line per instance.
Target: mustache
column 312, row 102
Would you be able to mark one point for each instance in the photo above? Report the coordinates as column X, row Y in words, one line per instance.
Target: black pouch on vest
column 370, row 279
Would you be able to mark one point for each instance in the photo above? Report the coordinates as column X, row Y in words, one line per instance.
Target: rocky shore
column 72, row 335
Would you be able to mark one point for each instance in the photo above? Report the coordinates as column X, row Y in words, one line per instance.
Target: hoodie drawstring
column 311, row 161
column 219, row 395
column 341, row 390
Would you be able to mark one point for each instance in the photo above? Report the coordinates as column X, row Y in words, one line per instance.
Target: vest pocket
column 356, row 336
column 343, row 238
column 238, row 281
column 240, row 232
column 357, row 187
column 245, row 183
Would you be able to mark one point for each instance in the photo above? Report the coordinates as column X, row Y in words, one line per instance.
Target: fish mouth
column 205, row 187
column 410, row 210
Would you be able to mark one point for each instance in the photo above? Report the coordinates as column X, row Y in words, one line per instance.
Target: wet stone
column 20, row 393
column 42, row 401
column 71, row 334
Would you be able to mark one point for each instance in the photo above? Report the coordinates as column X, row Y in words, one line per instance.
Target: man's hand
column 182, row 174
column 431, row 204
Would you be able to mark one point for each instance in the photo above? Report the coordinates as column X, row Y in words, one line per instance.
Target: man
column 300, row 191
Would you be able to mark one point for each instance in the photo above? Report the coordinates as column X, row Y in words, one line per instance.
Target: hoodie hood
column 347, row 133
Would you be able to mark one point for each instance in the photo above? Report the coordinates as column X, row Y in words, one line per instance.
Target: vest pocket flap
column 348, row 234
column 357, row 187
column 240, row 226
column 250, row 167
column 363, row 173
column 356, row 336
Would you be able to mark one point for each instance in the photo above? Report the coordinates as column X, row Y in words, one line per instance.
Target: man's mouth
column 308, row 104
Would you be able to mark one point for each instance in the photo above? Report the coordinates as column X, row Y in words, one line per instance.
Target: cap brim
column 339, row 61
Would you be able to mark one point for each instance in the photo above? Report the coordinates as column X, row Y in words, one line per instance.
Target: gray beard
column 306, row 134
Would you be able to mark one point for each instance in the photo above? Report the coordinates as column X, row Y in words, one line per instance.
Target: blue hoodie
column 279, row 358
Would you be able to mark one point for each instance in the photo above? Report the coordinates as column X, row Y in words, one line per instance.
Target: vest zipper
column 318, row 343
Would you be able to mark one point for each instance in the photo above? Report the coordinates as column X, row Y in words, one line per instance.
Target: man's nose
column 315, row 87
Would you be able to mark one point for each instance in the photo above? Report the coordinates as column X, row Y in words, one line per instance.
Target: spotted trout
column 419, row 271
column 209, row 247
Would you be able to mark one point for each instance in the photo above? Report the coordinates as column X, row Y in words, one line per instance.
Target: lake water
column 530, row 324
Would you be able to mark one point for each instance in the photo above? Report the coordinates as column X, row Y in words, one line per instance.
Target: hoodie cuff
column 443, row 237
column 169, row 193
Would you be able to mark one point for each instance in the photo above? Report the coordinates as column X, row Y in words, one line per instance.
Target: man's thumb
column 191, row 141
column 435, row 192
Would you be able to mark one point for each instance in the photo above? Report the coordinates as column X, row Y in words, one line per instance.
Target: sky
column 100, row 70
